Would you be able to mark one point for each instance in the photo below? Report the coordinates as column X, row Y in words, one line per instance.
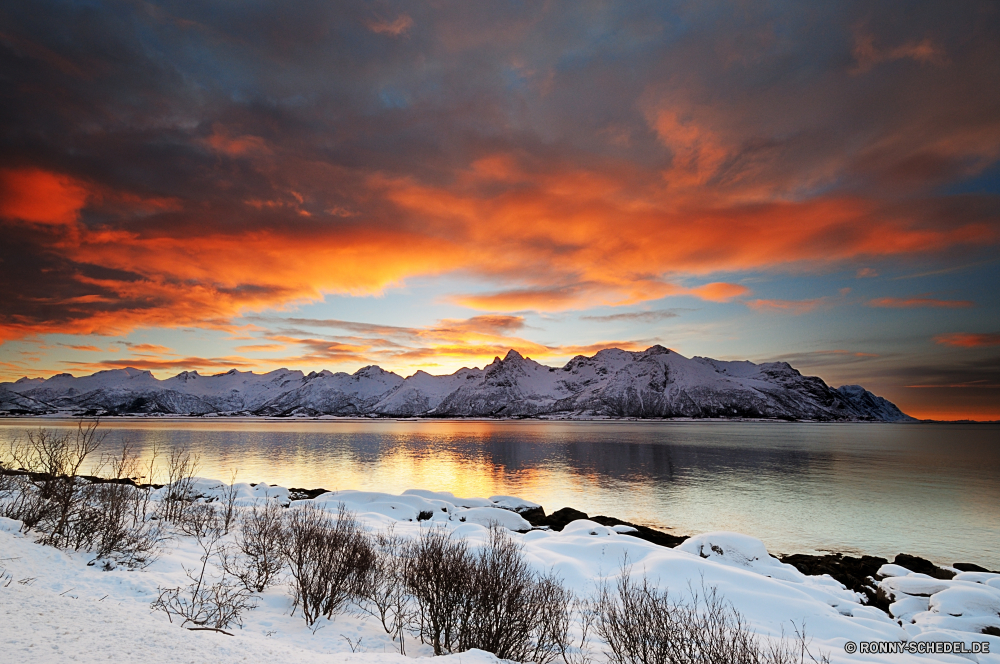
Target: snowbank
column 925, row 607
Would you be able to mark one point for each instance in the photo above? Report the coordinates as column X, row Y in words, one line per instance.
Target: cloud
column 41, row 197
column 162, row 364
column 866, row 272
column 395, row 28
column 867, row 54
column 475, row 340
column 146, row 348
column 719, row 292
column 788, row 306
column 260, row 348
column 915, row 302
column 968, row 339
column 235, row 146
column 635, row 316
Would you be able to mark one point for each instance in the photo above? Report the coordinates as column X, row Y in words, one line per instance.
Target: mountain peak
column 512, row 355
column 655, row 349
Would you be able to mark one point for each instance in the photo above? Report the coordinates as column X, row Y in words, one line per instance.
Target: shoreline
column 852, row 571
column 857, row 573
column 138, row 417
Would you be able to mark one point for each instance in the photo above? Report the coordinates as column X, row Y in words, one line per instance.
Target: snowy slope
column 656, row 382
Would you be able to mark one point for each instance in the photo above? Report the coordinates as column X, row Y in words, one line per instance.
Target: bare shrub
column 438, row 574
column 106, row 515
column 203, row 522
column 229, row 503
column 490, row 600
column 181, row 468
column 384, row 592
column 643, row 625
column 204, row 602
column 329, row 560
column 260, row 540
column 53, row 461
column 22, row 500
column 113, row 521
column 509, row 611
column 559, row 611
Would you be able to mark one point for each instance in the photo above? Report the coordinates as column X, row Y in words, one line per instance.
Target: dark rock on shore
column 972, row 567
column 305, row 494
column 560, row 518
column 858, row 574
column 922, row 566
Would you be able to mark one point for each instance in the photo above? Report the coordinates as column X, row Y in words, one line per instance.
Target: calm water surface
column 927, row 489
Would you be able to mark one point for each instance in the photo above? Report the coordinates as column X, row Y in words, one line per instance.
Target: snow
column 889, row 569
column 486, row 516
column 56, row 608
column 513, row 503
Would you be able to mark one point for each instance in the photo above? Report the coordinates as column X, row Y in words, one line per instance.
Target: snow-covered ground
column 56, row 608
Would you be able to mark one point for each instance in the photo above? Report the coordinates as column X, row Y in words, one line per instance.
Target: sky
column 328, row 185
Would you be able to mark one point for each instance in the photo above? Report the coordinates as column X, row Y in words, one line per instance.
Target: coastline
column 169, row 417
column 857, row 573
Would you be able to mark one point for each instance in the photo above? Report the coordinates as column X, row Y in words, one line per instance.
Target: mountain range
column 654, row 383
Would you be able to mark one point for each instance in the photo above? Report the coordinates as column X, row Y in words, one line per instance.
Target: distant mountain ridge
column 654, row 383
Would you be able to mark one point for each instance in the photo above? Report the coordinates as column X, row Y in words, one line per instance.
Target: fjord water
column 931, row 490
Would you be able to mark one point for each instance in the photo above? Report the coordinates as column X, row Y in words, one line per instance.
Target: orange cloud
column 164, row 364
column 394, row 28
column 260, row 348
column 146, row 348
column 867, row 54
column 41, row 197
column 235, row 146
column 914, row 302
column 968, row 340
column 789, row 306
column 562, row 237
column 719, row 292
column 444, row 346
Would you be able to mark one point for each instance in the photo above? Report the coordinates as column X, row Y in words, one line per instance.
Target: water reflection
column 930, row 490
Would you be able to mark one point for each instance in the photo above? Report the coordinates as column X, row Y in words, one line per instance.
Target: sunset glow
column 331, row 185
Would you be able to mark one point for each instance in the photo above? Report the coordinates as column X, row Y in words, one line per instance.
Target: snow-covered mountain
column 656, row 382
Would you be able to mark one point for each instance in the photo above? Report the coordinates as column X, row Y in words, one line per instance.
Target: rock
column 642, row 532
column 853, row 572
column 305, row 494
column 560, row 518
column 922, row 566
column 972, row 567
column 556, row 521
